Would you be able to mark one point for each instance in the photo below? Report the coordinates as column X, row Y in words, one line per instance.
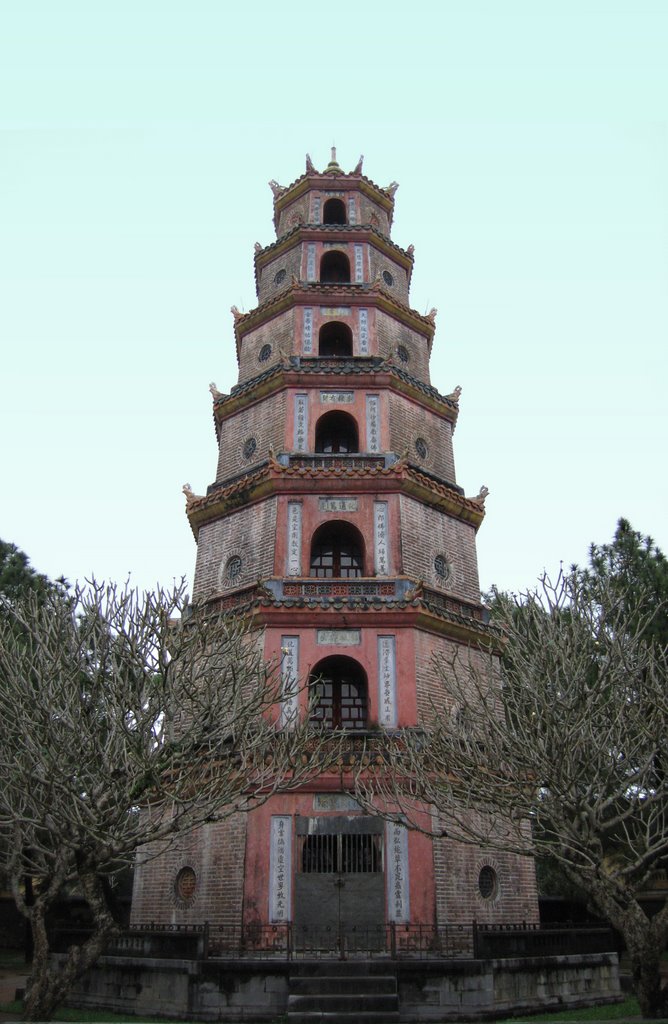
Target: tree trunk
column 644, row 937
column 652, row 998
column 50, row 982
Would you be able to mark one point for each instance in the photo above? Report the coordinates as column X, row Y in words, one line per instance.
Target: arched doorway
column 336, row 433
column 337, row 552
column 334, row 212
column 338, row 694
column 335, row 340
column 335, row 268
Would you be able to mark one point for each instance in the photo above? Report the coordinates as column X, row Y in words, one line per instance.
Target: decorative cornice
column 272, row 477
column 308, row 232
column 296, row 371
column 418, row 610
column 346, row 182
column 305, row 293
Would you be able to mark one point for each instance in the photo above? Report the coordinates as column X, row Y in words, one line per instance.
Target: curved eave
column 272, row 479
column 386, row 375
column 302, row 292
column 347, row 182
column 412, row 614
column 328, row 232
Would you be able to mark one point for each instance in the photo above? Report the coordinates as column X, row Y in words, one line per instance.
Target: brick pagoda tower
column 336, row 518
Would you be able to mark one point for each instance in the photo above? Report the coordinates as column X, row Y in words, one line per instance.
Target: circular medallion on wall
column 264, row 353
column 442, row 567
column 402, row 353
column 233, row 569
column 249, row 448
column 387, row 278
column 421, row 448
column 185, row 885
column 488, row 884
column 280, row 276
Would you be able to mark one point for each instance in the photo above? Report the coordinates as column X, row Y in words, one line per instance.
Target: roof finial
column 333, row 166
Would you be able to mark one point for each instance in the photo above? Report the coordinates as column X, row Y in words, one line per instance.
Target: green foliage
column 633, row 563
column 17, row 576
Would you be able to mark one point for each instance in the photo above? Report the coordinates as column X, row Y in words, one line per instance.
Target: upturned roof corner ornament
column 411, row 249
column 277, row 189
column 190, row 494
column 432, row 314
column 454, row 395
column 479, row 499
column 310, row 169
column 236, row 313
column 358, row 165
column 215, row 393
column 391, row 188
column 258, row 247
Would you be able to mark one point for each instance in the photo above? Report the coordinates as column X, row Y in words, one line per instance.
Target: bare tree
column 564, row 754
column 123, row 725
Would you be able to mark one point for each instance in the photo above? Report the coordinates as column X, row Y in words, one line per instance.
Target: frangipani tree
column 562, row 753
column 127, row 719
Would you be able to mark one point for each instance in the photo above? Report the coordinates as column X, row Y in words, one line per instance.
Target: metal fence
column 392, row 941
column 491, row 942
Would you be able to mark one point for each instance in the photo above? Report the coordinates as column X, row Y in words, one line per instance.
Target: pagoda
column 336, row 520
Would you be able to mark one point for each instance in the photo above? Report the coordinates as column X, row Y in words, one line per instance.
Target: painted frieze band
column 359, row 263
column 380, row 545
column 337, row 397
column 280, row 868
column 294, row 566
column 301, row 422
column 398, row 898
column 307, row 333
column 364, row 332
column 289, row 680
column 387, row 682
column 310, row 262
column 372, row 424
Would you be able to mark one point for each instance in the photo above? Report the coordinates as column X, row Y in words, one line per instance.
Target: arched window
column 335, row 268
column 337, row 551
column 338, row 692
column 336, row 433
column 334, row 212
column 335, row 340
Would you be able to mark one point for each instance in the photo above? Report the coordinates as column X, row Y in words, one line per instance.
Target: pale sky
column 530, row 141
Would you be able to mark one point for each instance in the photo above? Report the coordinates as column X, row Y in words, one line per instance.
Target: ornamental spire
column 332, row 166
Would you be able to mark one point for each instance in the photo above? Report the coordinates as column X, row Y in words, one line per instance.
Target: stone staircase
column 342, row 992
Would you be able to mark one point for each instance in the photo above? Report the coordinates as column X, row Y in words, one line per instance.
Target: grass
column 612, row 1011
column 83, row 1016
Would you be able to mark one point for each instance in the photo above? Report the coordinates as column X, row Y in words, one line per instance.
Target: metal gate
column 339, row 884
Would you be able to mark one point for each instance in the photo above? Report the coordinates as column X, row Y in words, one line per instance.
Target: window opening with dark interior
column 341, row 854
column 335, row 268
column 336, row 433
column 334, row 212
column 337, row 552
column 335, row 340
column 338, row 692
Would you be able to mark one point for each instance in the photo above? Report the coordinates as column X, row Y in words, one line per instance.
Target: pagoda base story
column 435, row 990
column 317, row 861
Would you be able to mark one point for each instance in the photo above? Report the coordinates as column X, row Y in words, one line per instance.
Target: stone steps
column 342, row 993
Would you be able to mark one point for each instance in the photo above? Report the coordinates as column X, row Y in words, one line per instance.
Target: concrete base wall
column 477, row 989
column 428, row 990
